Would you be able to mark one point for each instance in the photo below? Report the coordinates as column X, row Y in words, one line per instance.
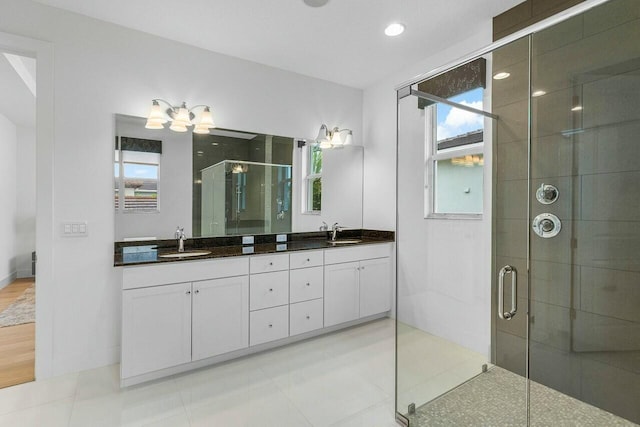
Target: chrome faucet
column 181, row 238
column 335, row 228
column 324, row 226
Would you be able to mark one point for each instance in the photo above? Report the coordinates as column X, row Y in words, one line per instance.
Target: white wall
column 342, row 189
column 443, row 266
column 8, row 212
column 175, row 184
column 102, row 69
column 25, row 199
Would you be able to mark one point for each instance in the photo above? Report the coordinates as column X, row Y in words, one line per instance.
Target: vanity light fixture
column 333, row 138
column 181, row 117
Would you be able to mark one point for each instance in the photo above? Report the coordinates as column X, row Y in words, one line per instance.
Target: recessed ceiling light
column 502, row 75
column 538, row 93
column 577, row 108
column 394, row 29
column 214, row 143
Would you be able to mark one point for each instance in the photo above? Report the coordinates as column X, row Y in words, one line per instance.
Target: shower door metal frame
column 405, row 89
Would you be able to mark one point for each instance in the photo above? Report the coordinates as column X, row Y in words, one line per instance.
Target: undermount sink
column 344, row 241
column 185, row 254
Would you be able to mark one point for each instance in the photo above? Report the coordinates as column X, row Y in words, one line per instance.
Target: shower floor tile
column 498, row 398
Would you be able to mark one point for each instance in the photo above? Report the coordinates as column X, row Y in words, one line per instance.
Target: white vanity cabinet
column 220, row 320
column 178, row 316
column 156, row 331
column 167, row 324
column 357, row 283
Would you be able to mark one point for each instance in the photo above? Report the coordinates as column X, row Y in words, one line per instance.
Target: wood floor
column 17, row 343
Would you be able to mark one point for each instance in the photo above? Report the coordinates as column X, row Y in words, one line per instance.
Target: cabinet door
column 156, row 328
column 220, row 316
column 375, row 286
column 341, row 294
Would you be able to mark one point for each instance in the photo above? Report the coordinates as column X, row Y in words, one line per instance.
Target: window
column 455, row 157
column 136, row 176
column 312, row 177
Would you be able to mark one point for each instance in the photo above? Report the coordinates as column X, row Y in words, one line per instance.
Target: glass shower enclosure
column 240, row 197
column 529, row 312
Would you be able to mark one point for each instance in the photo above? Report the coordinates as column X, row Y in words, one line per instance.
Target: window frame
column 307, row 180
column 120, row 180
column 433, row 155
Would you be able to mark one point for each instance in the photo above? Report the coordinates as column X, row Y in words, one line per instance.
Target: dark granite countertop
column 151, row 251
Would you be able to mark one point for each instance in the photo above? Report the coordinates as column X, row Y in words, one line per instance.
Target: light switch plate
column 247, row 240
column 247, row 250
column 281, row 238
column 281, row 247
column 74, row 229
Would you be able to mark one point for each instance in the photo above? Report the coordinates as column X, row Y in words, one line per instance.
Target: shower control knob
column 546, row 225
column 547, row 194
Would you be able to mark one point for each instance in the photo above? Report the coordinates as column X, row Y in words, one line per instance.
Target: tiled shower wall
column 585, row 283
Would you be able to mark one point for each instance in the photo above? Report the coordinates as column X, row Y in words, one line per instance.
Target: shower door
column 584, row 216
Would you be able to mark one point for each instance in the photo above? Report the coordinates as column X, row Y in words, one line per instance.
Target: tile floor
column 343, row 379
column 429, row 366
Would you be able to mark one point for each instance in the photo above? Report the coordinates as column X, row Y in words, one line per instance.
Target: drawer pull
column 188, row 292
column 270, row 263
column 308, row 260
column 270, row 289
column 270, row 325
column 308, row 317
column 308, row 284
column 197, row 291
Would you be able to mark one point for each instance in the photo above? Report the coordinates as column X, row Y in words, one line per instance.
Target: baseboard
column 10, row 278
column 24, row 274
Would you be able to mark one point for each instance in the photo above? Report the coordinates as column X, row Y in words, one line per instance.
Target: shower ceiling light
column 538, row 93
column 501, row 76
column 181, row 117
column 576, row 108
column 394, row 29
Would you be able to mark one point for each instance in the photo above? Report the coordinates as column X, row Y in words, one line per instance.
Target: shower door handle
column 507, row 315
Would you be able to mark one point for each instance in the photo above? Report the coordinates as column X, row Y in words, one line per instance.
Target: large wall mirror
column 229, row 182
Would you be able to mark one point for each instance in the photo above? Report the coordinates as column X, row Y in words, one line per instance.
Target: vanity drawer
column 306, row 259
column 268, row 290
column 268, row 263
column 306, row 284
column 305, row 316
column 268, row 325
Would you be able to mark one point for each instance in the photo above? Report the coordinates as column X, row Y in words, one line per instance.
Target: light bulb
column 206, row 119
column 178, row 127
column 201, row 129
column 182, row 117
column 153, row 124
column 336, row 141
column 156, row 114
column 325, row 144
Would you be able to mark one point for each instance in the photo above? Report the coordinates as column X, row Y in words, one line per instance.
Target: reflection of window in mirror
column 454, row 143
column 136, row 175
column 312, row 174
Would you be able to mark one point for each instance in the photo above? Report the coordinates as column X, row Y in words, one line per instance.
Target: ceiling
column 17, row 103
column 342, row 42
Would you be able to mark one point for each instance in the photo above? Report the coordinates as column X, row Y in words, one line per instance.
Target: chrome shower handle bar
column 508, row 315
